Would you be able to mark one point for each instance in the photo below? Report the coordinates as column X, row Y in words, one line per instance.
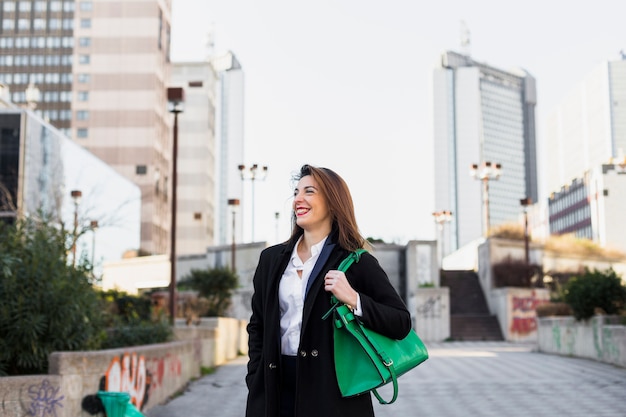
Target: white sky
column 346, row 84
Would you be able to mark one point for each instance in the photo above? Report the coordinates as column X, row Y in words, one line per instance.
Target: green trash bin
column 117, row 404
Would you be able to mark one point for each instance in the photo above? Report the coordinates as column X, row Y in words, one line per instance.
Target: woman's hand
column 337, row 283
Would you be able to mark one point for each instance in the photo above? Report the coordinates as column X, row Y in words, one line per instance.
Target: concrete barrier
column 595, row 338
column 150, row 374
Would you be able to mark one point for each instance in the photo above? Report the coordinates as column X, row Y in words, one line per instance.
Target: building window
column 54, row 24
column 68, row 6
column 55, row 6
column 23, row 24
column 9, row 6
column 85, row 23
column 84, row 41
column 86, row 6
column 83, row 95
column 197, row 216
column 8, row 24
column 40, row 6
column 25, row 6
column 141, row 169
column 82, row 115
column 39, row 24
column 82, row 132
column 84, row 59
column 84, row 78
column 68, row 24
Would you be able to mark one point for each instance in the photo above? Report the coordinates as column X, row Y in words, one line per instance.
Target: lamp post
column 253, row 173
column 485, row 172
column 525, row 202
column 277, row 217
column 76, row 197
column 441, row 217
column 175, row 101
column 93, row 226
column 234, row 203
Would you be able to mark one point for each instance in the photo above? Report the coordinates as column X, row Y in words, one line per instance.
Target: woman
column 291, row 369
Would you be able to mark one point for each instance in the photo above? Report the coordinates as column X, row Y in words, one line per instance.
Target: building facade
column 482, row 114
column 196, row 189
column 588, row 127
column 592, row 206
column 101, row 68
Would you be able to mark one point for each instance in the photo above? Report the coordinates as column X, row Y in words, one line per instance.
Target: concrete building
column 231, row 144
column 588, row 127
column 482, row 114
column 40, row 168
column 102, row 68
column 196, row 192
column 591, row 206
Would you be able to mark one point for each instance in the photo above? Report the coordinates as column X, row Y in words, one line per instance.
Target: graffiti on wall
column 44, row 400
column 138, row 376
column 431, row 308
column 523, row 317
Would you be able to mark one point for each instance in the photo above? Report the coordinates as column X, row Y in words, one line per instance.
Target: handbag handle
column 343, row 267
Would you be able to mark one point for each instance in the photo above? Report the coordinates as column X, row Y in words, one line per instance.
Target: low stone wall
column 150, row 373
column 432, row 314
column 515, row 309
column 595, row 338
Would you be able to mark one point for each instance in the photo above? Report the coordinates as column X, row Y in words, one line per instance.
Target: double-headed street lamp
column 485, row 172
column 175, row 102
column 253, row 173
column 525, row 202
column 441, row 217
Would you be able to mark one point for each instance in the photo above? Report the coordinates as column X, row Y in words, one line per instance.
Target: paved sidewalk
column 460, row 379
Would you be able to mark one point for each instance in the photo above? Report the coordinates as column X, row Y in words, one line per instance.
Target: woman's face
column 310, row 206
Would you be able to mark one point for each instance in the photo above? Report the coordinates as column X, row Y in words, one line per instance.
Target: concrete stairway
column 469, row 314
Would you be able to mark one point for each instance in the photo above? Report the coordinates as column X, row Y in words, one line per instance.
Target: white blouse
column 291, row 297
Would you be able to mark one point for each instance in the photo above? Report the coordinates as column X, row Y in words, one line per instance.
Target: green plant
column 137, row 333
column 426, row 285
column 595, row 290
column 46, row 305
column 215, row 285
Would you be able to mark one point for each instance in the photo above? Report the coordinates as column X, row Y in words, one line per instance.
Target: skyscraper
column 195, row 224
column 482, row 114
column 588, row 127
column 102, row 68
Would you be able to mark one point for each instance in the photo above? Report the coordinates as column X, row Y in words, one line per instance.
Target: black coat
column 317, row 392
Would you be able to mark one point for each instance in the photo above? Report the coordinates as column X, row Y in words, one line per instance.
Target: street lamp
column 277, row 217
column 76, row 197
column 441, row 217
column 525, row 202
column 175, row 101
column 234, row 203
column 487, row 171
column 252, row 174
column 93, row 225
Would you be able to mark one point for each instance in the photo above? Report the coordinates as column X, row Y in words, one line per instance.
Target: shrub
column 46, row 305
column 215, row 285
column 595, row 290
column 516, row 273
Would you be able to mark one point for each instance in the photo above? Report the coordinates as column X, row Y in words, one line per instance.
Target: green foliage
column 595, row 290
column 130, row 321
column 215, row 285
column 46, row 305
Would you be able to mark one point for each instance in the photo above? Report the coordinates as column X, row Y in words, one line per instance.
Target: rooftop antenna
column 465, row 39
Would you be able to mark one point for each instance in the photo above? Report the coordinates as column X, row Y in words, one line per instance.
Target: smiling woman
column 291, row 367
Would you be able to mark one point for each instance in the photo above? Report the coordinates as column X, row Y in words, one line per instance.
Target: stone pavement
column 459, row 379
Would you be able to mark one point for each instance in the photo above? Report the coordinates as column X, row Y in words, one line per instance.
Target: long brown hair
column 340, row 205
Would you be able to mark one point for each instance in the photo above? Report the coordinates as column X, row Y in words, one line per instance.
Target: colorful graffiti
column 128, row 374
column 45, row 399
column 140, row 376
column 523, row 321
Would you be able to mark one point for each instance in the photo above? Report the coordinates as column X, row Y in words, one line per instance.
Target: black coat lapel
column 319, row 264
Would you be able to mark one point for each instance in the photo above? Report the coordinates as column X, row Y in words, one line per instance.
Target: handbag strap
column 343, row 267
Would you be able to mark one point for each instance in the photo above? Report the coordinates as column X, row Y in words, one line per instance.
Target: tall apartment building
column 231, row 144
column 588, row 127
column 195, row 222
column 102, row 67
column 482, row 114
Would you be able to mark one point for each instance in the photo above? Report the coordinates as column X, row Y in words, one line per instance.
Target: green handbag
column 364, row 359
